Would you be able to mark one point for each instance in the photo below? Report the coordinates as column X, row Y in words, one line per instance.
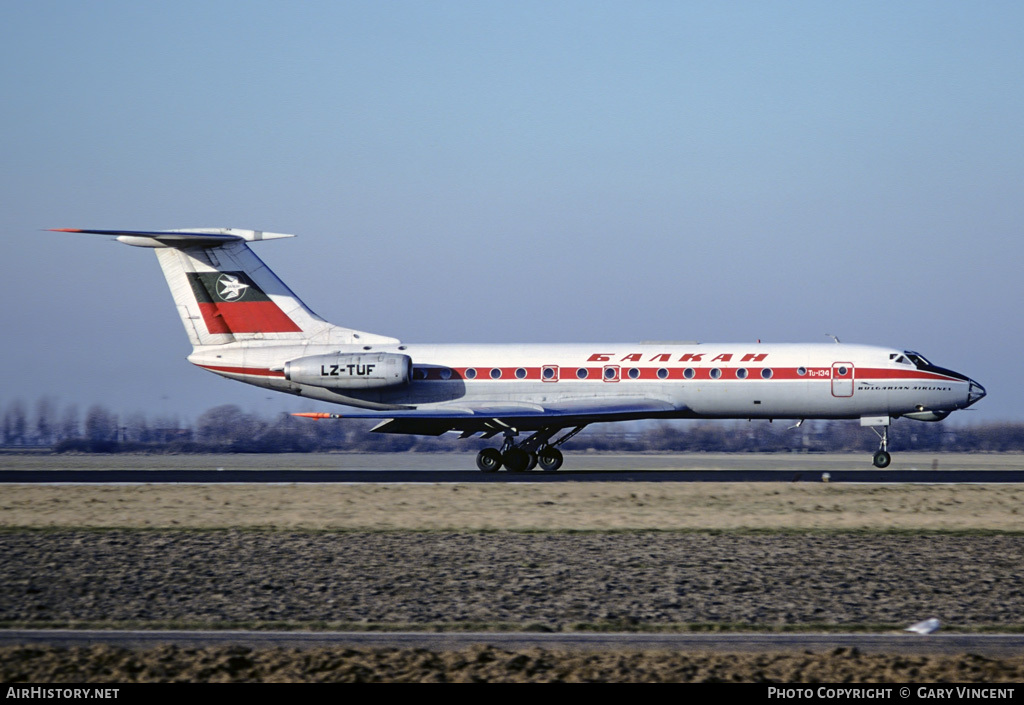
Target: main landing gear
column 525, row 456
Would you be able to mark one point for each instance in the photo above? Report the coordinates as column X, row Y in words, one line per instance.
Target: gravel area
column 549, row 580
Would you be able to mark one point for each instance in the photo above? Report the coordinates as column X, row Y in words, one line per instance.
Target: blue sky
column 516, row 171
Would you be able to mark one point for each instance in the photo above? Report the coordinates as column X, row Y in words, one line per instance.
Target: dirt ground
column 101, row 664
column 555, row 581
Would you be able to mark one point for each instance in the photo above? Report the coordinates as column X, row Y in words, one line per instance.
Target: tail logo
column 231, row 302
column 229, row 288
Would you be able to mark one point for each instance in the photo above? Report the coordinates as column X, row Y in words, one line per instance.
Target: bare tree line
column 227, row 428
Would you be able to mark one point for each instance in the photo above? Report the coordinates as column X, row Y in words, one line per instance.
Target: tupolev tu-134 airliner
column 245, row 324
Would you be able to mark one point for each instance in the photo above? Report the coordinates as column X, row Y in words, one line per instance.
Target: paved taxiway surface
column 985, row 644
column 460, row 476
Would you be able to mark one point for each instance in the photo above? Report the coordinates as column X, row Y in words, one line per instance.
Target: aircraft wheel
column 516, row 459
column 488, row 460
column 550, row 459
column 882, row 459
column 533, row 461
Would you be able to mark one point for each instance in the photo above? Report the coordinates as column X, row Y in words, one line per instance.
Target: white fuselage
column 748, row 380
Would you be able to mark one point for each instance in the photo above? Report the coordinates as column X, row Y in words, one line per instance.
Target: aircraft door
column 842, row 379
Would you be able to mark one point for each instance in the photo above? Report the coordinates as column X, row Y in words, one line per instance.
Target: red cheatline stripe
column 254, row 371
column 483, row 374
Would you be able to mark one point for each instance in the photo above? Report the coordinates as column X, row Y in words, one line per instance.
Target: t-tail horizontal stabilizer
column 185, row 237
column 225, row 294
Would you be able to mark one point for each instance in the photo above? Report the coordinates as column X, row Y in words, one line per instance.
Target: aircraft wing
column 488, row 417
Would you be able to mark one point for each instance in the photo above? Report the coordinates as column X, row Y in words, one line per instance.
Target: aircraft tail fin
column 224, row 293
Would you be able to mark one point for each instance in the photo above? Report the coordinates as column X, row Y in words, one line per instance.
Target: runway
column 903, row 643
column 279, row 476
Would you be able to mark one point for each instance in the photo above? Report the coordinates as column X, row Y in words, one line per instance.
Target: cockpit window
column 900, row 359
column 918, row 359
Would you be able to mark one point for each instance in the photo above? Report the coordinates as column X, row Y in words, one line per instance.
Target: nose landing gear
column 881, row 458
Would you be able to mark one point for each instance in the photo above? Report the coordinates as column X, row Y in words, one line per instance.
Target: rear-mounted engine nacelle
column 351, row 371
